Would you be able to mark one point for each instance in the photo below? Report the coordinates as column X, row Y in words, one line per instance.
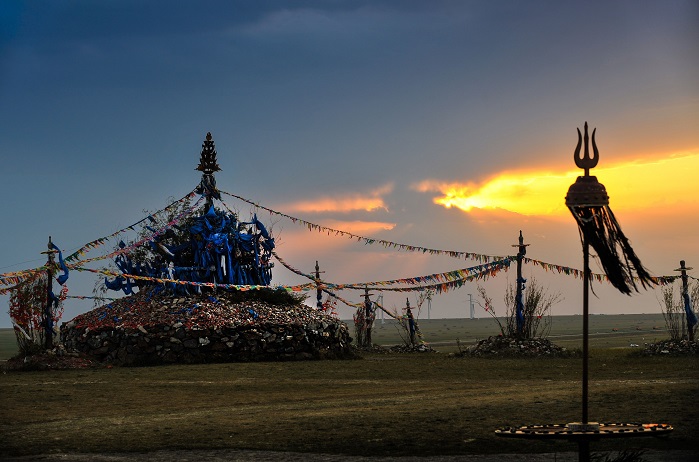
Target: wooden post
column 687, row 303
column 48, row 312
column 319, row 292
column 368, row 318
column 519, row 304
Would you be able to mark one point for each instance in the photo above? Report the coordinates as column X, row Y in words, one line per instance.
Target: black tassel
column 620, row 263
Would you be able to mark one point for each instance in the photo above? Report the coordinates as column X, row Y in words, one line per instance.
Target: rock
column 671, row 348
column 190, row 343
column 506, row 346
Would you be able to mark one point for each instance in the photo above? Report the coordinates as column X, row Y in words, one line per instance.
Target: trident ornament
column 586, row 162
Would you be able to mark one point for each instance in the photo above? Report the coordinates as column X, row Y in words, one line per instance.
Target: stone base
column 156, row 328
column 153, row 345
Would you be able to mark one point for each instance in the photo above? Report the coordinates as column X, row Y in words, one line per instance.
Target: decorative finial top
column 586, row 162
column 587, row 191
column 207, row 160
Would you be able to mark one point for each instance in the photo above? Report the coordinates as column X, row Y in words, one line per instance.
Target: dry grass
column 398, row 404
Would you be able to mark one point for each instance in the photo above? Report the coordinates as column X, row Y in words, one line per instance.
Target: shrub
column 537, row 310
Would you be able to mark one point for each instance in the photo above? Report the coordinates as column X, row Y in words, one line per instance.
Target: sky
column 440, row 124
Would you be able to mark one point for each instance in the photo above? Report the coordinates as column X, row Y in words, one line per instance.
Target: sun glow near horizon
column 344, row 203
column 633, row 185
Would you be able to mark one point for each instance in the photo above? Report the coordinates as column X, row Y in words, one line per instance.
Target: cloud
column 633, row 185
column 526, row 193
column 343, row 203
column 360, row 228
column 351, row 20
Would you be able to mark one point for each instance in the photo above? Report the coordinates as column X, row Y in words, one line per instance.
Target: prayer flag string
column 660, row 280
column 367, row 240
column 147, row 238
column 101, row 241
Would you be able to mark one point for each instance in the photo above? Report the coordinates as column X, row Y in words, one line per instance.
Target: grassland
column 606, row 331
column 443, row 333
column 383, row 404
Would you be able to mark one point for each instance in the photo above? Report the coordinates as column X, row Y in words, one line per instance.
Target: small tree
column 359, row 325
column 672, row 306
column 537, row 310
column 673, row 313
column 409, row 329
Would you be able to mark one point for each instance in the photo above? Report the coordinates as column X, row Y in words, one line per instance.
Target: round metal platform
column 588, row 431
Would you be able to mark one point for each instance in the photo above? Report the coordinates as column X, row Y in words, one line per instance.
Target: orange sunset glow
column 343, row 203
column 360, row 227
column 661, row 183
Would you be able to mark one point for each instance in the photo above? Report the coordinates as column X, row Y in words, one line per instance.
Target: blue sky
column 104, row 106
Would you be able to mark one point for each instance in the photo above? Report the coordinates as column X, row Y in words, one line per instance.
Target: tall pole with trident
column 588, row 201
column 586, row 192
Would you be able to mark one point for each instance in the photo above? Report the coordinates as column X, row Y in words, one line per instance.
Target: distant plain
column 442, row 334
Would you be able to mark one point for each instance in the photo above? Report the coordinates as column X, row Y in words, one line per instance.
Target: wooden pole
column 368, row 318
column 685, row 298
column 48, row 314
column 319, row 292
column 519, row 304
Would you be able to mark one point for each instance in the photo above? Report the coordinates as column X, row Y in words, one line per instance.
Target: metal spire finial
column 207, row 160
column 208, row 165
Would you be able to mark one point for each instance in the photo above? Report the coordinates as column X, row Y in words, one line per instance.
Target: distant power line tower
column 379, row 301
column 429, row 303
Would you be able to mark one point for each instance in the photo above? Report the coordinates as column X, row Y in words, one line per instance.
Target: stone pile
column 55, row 359
column 512, row 347
column 155, row 328
column 419, row 348
column 671, row 348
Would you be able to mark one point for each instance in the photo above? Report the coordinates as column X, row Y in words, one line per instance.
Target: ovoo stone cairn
column 178, row 314
column 154, row 327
